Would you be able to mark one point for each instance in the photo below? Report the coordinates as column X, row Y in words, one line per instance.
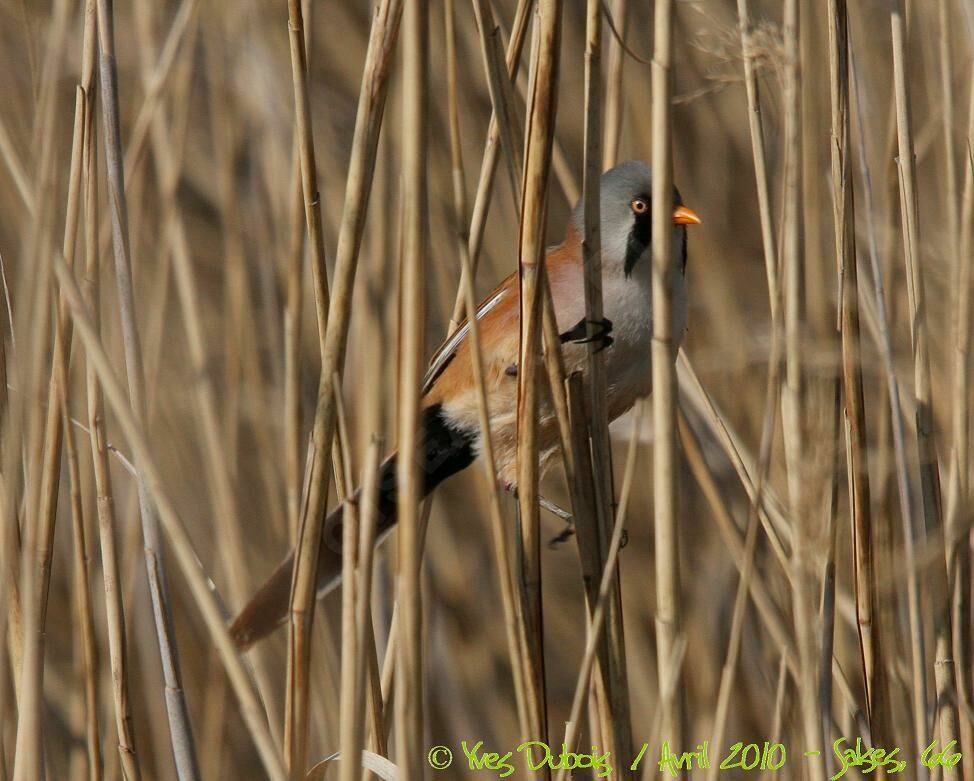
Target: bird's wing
column 449, row 348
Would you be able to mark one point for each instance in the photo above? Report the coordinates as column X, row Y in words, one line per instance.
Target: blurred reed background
column 801, row 571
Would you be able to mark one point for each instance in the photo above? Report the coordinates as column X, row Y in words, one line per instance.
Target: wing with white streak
column 448, row 349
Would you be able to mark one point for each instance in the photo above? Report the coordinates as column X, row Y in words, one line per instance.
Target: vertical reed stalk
column 959, row 495
column 513, row 619
column 926, row 446
column 87, row 654
column 306, row 154
column 666, row 538
column 843, row 200
column 409, row 681
column 918, row 692
column 756, row 127
column 184, row 750
column 601, row 605
column 501, row 94
column 26, row 457
column 793, row 394
column 619, row 10
column 539, row 135
column 105, row 500
column 616, row 715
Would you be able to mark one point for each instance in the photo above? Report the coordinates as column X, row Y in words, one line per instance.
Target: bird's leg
column 555, row 510
column 580, row 334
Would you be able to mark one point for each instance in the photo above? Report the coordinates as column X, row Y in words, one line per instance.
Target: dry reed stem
column 306, row 155
column 666, row 536
column 87, row 655
column 382, row 40
column 588, row 539
column 53, row 431
column 294, row 266
column 391, row 656
column 297, row 719
column 926, row 446
column 606, row 587
column 105, row 500
column 616, row 716
column 501, row 95
column 793, row 394
column 843, row 200
column 362, row 664
column 539, row 135
column 560, row 166
column 947, row 96
column 351, row 692
column 756, row 128
column 619, row 13
column 513, row 620
column 27, row 638
column 292, row 350
column 56, row 405
column 409, row 681
column 959, row 554
column 59, row 396
column 181, row 735
column 905, row 490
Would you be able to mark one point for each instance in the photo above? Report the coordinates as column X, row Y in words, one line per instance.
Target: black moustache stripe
column 640, row 237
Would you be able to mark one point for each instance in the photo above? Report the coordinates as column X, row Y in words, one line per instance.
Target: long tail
column 443, row 451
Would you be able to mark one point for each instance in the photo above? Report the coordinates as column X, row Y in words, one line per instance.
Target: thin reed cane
column 513, row 621
column 666, row 537
column 609, row 574
column 843, row 201
column 539, row 134
column 959, row 492
column 29, row 421
column 794, row 393
column 616, row 715
column 926, row 445
column 181, row 735
column 409, row 681
column 105, row 499
column 918, row 691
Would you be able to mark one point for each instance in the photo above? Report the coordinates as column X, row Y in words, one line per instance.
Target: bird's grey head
column 627, row 219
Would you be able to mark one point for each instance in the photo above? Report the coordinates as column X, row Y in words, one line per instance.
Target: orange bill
column 683, row 215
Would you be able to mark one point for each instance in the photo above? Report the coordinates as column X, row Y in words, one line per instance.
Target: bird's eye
column 639, row 206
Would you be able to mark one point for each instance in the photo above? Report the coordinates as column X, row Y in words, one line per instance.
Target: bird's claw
column 580, row 334
column 562, row 536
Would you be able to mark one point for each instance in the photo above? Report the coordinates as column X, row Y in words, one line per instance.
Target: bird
column 451, row 435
